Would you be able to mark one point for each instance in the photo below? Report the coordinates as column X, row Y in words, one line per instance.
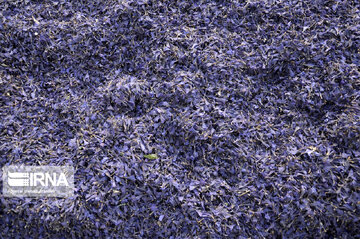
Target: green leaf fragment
column 151, row 156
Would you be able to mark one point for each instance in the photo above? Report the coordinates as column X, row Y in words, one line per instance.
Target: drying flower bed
column 204, row 119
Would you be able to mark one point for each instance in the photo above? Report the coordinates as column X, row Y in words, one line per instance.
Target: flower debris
column 184, row 119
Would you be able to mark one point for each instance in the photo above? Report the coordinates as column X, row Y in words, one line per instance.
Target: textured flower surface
column 184, row 119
